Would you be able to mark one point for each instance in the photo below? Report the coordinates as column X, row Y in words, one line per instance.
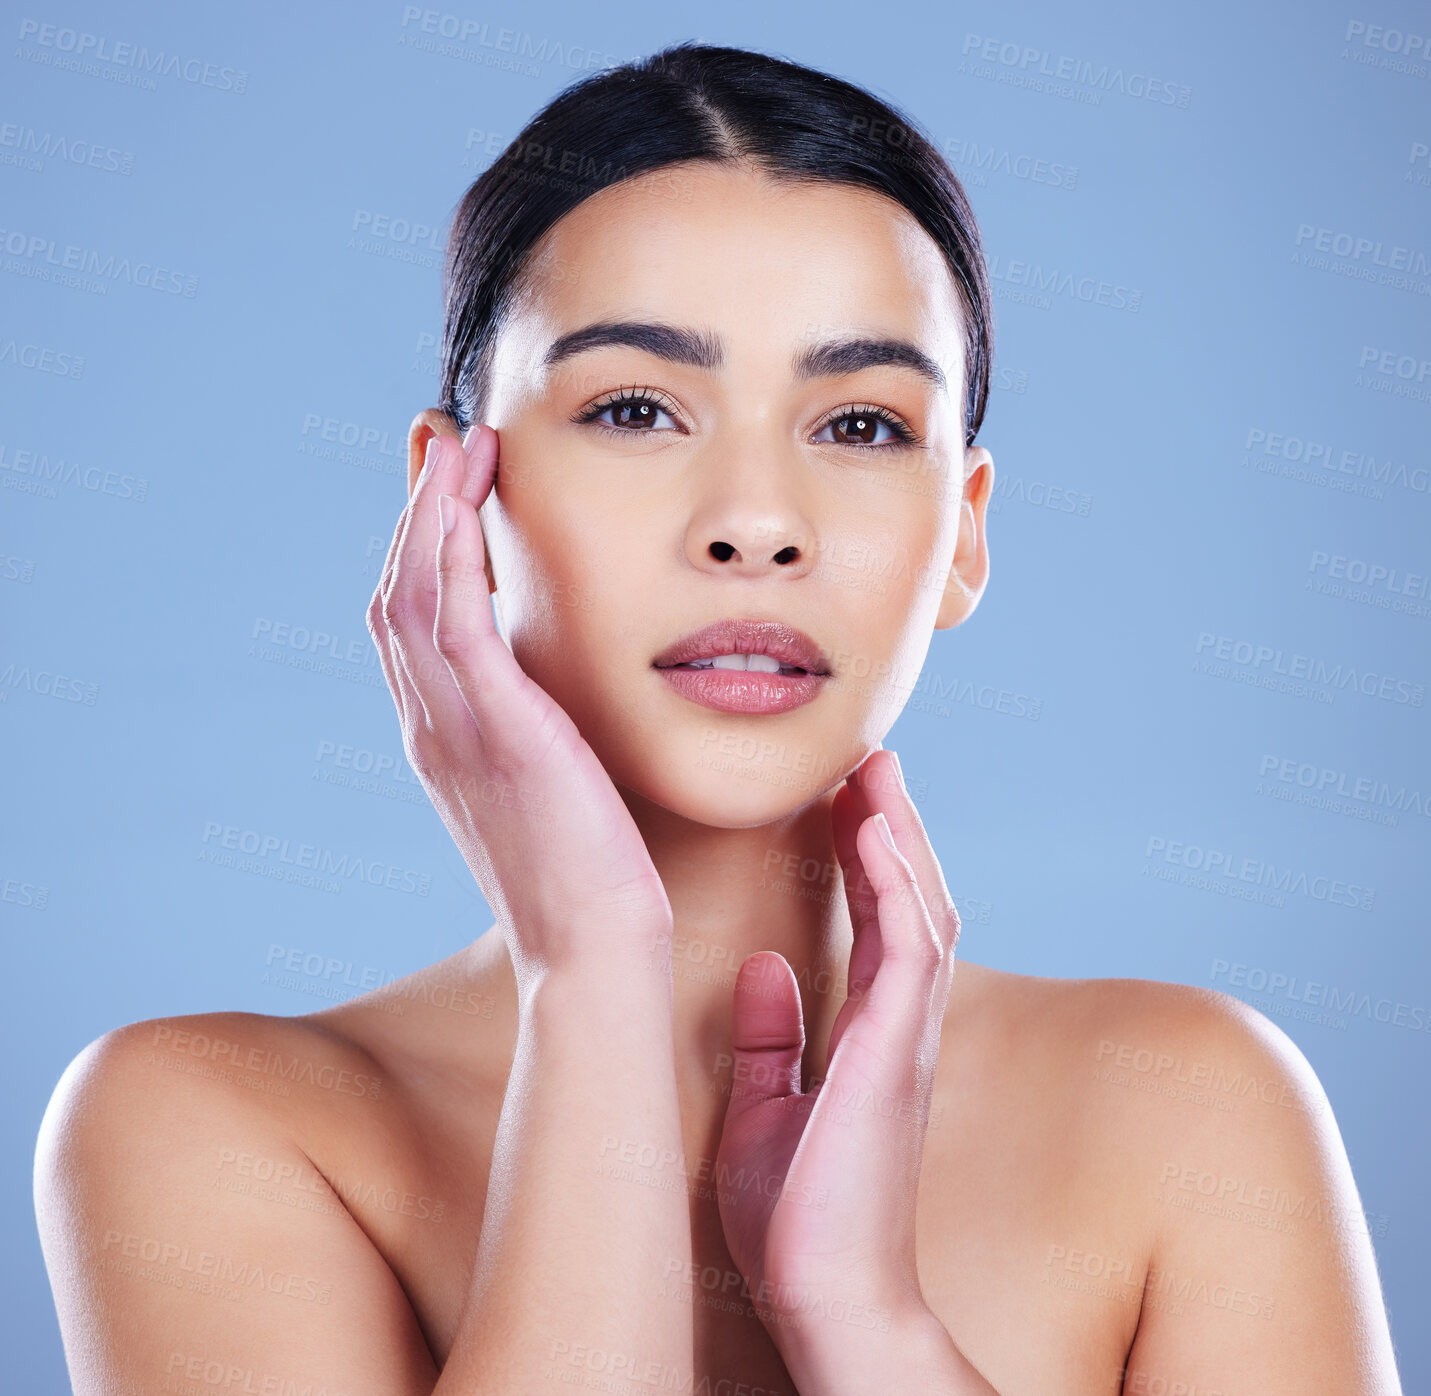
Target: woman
column 708, row 1109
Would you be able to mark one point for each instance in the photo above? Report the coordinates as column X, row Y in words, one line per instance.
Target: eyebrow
column 699, row 349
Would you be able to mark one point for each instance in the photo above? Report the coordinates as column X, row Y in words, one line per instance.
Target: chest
column 1022, row 1256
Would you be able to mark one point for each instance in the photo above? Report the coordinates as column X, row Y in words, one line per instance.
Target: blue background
column 172, row 503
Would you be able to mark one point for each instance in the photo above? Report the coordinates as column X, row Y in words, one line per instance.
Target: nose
column 752, row 521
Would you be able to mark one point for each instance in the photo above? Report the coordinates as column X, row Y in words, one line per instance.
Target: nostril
column 787, row 554
column 722, row 552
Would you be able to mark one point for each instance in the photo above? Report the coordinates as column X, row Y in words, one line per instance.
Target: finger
column 478, row 670
column 411, row 602
column 904, row 1005
column 767, row 1033
column 482, row 447
column 398, row 683
column 394, row 568
column 882, row 789
column 880, row 1075
column 847, row 812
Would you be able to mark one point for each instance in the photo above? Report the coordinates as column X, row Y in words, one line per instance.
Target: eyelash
column 623, row 397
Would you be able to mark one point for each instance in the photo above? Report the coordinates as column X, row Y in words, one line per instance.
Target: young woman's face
column 759, row 474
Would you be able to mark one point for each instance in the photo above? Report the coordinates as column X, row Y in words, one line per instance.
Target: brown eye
column 633, row 414
column 858, row 427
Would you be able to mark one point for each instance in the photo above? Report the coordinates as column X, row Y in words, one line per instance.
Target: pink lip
column 741, row 690
column 781, row 642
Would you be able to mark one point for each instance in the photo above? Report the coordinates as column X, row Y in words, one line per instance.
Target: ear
column 970, row 570
column 430, row 422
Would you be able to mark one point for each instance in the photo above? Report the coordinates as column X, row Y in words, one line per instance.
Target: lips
column 790, row 647
column 801, row 670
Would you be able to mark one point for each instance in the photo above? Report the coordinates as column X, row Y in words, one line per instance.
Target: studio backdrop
column 1184, row 738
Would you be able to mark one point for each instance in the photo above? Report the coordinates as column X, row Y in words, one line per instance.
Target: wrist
column 907, row 1349
column 635, row 962
column 616, row 996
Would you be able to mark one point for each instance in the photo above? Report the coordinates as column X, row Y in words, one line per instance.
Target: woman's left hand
column 817, row 1189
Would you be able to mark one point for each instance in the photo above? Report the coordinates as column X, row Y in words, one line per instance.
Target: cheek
column 883, row 592
column 564, row 596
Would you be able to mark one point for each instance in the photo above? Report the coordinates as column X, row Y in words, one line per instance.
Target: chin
column 735, row 795
column 729, row 774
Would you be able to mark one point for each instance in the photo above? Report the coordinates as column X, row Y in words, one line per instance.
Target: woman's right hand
column 531, row 808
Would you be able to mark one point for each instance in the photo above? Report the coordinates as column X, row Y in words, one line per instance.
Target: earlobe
column 430, row 422
column 969, row 572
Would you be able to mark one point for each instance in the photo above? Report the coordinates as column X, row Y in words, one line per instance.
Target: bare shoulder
column 212, row 1071
column 1227, row 1181
column 165, row 1252
column 1126, row 1043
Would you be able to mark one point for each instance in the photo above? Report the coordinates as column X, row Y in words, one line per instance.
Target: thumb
column 767, row 1033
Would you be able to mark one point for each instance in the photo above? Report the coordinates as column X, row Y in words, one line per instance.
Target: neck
column 735, row 891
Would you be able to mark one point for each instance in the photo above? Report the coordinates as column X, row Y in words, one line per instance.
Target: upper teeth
column 764, row 663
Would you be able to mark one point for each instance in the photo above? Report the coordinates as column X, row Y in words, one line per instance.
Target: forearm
column 915, row 1353
column 573, row 1244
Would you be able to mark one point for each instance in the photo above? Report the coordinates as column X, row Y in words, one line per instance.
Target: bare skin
column 1072, row 1124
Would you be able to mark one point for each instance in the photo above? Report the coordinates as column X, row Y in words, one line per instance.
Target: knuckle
column 420, row 755
column 951, row 920
column 377, row 624
column 397, row 610
column 928, row 950
column 449, row 635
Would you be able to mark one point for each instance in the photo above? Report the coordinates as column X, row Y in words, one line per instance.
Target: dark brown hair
column 694, row 101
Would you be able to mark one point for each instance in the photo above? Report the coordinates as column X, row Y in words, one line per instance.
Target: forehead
column 767, row 262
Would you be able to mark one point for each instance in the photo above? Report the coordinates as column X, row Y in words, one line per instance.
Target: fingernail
column 898, row 770
column 882, row 825
column 432, row 449
column 446, row 513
